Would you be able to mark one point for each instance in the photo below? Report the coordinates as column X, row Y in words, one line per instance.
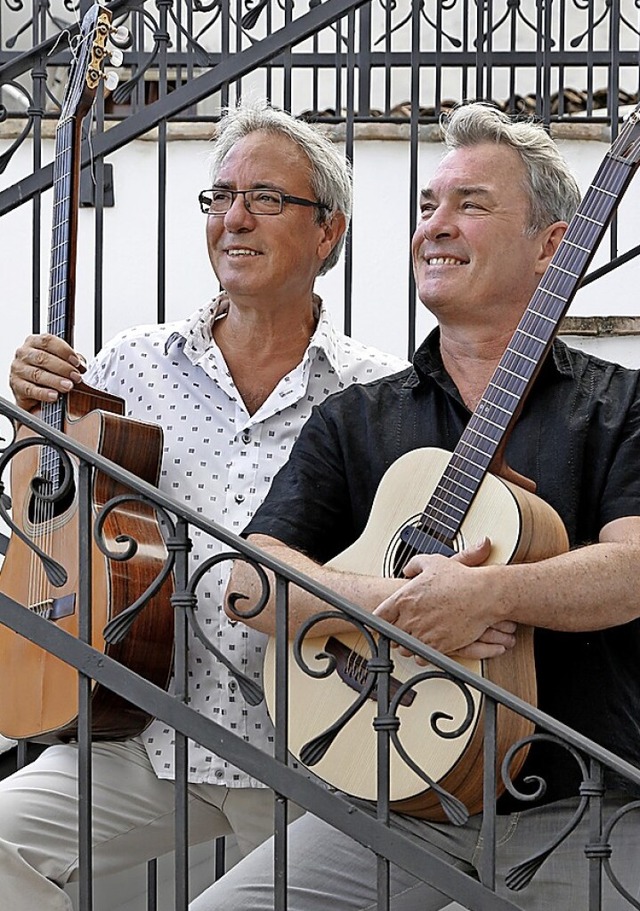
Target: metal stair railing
column 372, row 828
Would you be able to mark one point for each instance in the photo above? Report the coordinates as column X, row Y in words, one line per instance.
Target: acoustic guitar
column 39, row 692
column 332, row 709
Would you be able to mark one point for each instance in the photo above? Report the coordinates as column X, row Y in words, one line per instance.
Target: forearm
column 590, row 588
column 365, row 591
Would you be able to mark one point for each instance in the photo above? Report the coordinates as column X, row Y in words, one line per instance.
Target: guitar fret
column 450, row 493
column 470, row 461
column 530, row 335
column 572, row 243
column 605, row 191
column 480, row 434
column 593, row 221
column 514, row 395
column 488, row 420
column 549, row 319
column 518, row 376
column 560, row 297
column 506, row 411
column 564, row 271
column 446, row 514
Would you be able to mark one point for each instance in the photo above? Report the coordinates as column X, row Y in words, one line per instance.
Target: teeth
column 242, row 253
column 443, row 261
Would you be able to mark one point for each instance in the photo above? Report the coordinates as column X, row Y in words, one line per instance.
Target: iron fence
column 293, row 776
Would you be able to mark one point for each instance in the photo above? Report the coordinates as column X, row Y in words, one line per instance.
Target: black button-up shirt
column 578, row 438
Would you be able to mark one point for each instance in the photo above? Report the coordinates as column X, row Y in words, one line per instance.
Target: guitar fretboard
column 58, row 318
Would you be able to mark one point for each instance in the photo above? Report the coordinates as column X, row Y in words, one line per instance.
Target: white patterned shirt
column 219, row 460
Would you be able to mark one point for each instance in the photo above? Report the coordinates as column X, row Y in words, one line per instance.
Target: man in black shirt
column 492, row 216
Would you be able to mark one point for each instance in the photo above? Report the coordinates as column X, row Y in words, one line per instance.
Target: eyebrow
column 260, row 185
column 428, row 194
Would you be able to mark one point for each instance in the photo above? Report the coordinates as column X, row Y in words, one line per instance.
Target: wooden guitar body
column 522, row 528
column 39, row 695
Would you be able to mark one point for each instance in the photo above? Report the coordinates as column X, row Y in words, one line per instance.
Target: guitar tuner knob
column 116, row 57
column 121, row 36
column 111, row 80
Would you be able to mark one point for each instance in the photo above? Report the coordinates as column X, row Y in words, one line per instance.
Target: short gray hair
column 551, row 187
column 330, row 173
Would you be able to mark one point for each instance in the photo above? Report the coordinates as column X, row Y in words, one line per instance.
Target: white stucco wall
column 380, row 243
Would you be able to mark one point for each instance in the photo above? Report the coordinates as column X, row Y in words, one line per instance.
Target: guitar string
column 579, row 232
column 43, row 512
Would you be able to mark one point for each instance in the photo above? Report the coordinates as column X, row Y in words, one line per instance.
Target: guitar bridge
column 55, row 608
column 352, row 670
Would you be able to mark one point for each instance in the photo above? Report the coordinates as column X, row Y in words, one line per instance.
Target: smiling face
column 470, row 251
column 269, row 258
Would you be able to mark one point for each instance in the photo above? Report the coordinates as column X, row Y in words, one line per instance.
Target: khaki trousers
column 132, row 820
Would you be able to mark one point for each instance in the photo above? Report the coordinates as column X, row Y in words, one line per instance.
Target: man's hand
column 449, row 607
column 43, row 368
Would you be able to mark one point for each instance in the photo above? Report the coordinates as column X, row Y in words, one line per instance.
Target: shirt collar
column 195, row 331
column 427, row 362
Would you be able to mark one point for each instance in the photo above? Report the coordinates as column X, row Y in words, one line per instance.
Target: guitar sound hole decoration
column 411, row 540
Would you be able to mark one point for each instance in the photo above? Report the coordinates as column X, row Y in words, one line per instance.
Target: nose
column 438, row 224
column 238, row 217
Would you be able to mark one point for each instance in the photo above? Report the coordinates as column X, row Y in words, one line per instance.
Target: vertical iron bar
column 163, row 40
column 413, row 170
column 349, row 144
column 152, row 885
column 595, row 855
column 181, row 690
column 85, row 606
column 613, row 101
column 281, row 746
column 97, row 174
column 489, row 790
column 383, row 746
column 39, row 76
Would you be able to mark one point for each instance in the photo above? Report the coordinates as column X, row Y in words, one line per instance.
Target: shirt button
column 239, row 498
column 219, row 773
column 233, row 686
column 246, row 437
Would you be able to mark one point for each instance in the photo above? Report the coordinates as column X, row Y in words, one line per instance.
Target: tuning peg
column 111, row 80
column 116, row 57
column 122, row 37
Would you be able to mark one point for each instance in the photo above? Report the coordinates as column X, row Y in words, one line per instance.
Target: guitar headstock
column 627, row 144
column 89, row 53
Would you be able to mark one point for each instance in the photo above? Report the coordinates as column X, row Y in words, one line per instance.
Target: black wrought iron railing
column 291, row 778
column 383, row 69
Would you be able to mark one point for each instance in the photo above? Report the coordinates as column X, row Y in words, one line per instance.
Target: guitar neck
column 63, row 247
column 511, row 381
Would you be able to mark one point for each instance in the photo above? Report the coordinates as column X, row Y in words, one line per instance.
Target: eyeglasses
column 258, row 202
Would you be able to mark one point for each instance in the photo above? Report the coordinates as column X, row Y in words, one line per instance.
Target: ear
column 549, row 242
column 332, row 230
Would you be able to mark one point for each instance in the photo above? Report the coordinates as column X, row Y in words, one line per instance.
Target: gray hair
column 330, row 173
column 551, row 187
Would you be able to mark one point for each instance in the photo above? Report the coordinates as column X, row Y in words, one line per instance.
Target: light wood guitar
column 39, row 692
column 441, row 731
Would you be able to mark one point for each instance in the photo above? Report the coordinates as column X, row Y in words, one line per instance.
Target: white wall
column 380, row 242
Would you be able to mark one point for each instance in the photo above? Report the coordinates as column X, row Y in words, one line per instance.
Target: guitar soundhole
column 409, row 540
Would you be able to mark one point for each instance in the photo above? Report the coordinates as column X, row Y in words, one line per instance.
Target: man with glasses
column 231, row 387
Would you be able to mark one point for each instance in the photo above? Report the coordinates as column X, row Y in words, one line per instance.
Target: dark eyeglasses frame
column 284, row 197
